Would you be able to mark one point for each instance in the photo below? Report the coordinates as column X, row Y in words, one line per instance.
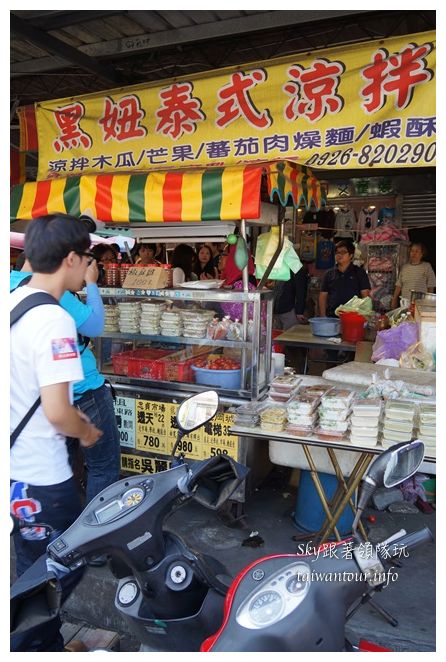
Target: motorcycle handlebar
column 410, row 541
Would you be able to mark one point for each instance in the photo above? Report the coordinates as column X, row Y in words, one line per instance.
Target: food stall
column 156, row 337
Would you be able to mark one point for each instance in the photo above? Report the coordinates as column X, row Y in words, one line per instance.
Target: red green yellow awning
column 227, row 193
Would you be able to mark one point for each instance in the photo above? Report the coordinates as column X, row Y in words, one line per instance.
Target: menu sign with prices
column 146, row 277
column 125, row 420
column 150, row 428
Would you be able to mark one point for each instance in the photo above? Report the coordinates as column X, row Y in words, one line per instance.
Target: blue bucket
column 309, row 514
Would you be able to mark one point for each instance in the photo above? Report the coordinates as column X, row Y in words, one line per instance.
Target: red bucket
column 352, row 327
column 277, row 346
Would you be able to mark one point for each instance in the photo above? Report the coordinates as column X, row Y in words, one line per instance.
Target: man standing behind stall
column 343, row 282
column 45, row 362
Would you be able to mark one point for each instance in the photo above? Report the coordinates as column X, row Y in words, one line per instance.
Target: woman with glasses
column 343, row 282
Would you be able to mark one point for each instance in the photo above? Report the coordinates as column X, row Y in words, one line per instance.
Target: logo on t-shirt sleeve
column 64, row 348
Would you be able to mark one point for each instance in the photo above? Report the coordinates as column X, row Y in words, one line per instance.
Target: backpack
column 32, row 301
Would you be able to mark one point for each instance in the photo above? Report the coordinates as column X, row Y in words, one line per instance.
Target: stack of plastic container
column 195, row 322
column 248, row 415
column 334, row 412
column 129, row 316
column 273, row 418
column 151, row 317
column 364, row 422
column 399, row 419
column 283, row 387
column 427, row 428
column 111, row 318
column 171, row 324
column 302, row 414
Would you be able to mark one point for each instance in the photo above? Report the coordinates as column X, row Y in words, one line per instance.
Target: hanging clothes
column 345, row 223
column 367, row 219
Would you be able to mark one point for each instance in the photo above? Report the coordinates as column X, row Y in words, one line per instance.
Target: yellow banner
column 360, row 106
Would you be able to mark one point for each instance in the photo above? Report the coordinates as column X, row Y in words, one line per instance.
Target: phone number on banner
column 370, row 155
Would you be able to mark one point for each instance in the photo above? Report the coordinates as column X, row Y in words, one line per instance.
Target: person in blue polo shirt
column 343, row 282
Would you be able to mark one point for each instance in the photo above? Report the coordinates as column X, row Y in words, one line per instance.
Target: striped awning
column 180, row 195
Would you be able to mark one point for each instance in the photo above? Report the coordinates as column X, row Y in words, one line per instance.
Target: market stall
column 154, row 366
column 333, row 425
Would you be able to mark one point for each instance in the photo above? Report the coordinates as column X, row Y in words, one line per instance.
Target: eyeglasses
column 91, row 256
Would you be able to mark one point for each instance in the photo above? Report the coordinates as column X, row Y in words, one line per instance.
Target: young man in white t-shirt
column 45, row 361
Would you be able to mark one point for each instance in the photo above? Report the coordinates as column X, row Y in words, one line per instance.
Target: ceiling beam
column 61, row 49
column 186, row 35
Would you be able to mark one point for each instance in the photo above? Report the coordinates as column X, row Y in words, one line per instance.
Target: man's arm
column 66, row 418
column 323, row 298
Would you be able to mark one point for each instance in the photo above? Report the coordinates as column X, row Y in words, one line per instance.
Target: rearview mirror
column 392, row 467
column 402, row 462
column 197, row 410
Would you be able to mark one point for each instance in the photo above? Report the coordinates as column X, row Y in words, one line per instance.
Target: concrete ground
column 411, row 599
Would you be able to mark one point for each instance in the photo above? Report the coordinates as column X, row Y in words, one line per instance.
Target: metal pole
column 245, row 281
column 281, row 224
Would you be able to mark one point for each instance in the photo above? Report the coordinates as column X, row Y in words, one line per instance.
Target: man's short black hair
column 49, row 239
column 346, row 243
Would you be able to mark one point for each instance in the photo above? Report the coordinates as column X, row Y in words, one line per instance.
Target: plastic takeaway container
column 325, row 326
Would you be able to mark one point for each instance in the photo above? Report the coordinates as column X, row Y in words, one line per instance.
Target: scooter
column 173, row 597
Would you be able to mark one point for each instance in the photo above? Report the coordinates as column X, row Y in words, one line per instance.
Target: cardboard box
column 146, row 278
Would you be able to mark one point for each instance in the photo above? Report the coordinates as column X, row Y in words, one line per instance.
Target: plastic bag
column 357, row 305
column 417, row 357
column 391, row 343
column 287, row 260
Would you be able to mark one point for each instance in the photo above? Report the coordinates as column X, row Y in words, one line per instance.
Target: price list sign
column 216, row 437
column 156, row 430
column 125, row 419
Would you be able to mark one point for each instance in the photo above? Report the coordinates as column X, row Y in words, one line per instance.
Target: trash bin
column 309, row 514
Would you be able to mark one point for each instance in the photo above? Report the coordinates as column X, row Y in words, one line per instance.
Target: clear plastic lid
column 365, row 421
column 427, row 412
column 303, row 404
column 362, row 441
column 315, row 389
column 339, row 426
column 364, row 432
column 399, row 409
column 399, row 426
column 337, row 398
column 367, row 407
column 285, row 382
column 333, row 414
column 430, row 430
column 394, row 435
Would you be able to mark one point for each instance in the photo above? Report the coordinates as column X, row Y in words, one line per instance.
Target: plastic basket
column 144, row 363
column 178, row 367
column 120, row 362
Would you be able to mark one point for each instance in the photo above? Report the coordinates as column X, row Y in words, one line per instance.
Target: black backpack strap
column 33, row 300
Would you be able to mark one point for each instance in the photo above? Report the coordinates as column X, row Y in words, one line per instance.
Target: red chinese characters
column 121, row 120
column 180, row 111
column 236, row 101
column 314, row 91
column 396, row 74
column 71, row 135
